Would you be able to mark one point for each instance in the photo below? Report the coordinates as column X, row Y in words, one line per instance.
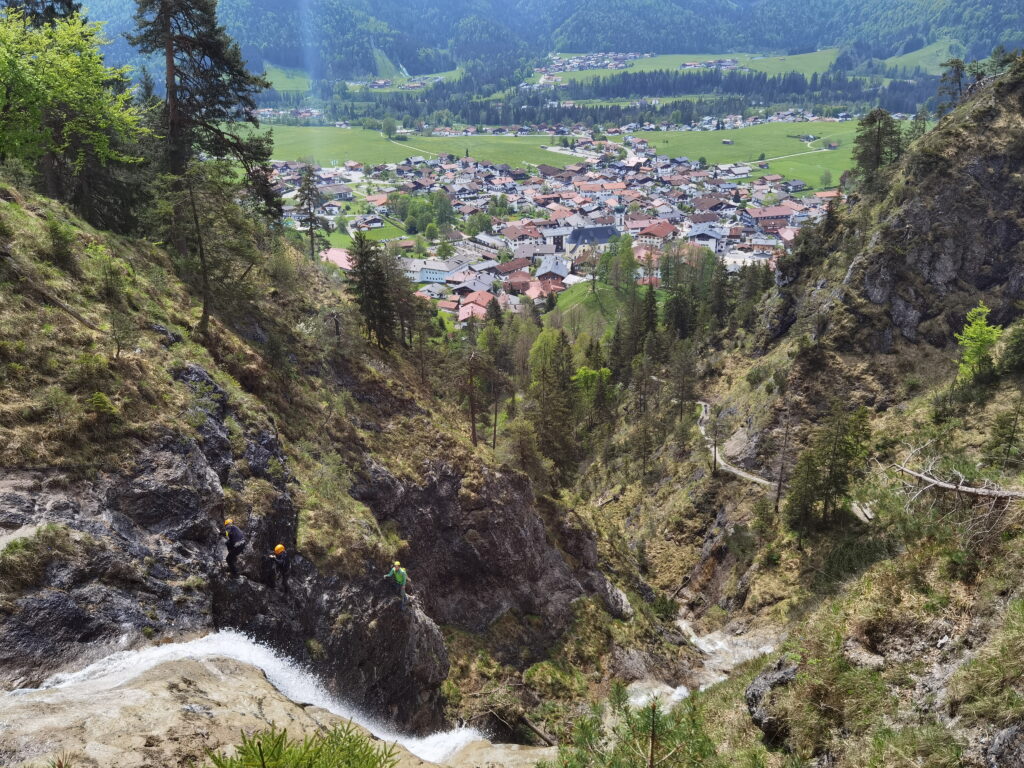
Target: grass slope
column 286, row 79
column 928, row 58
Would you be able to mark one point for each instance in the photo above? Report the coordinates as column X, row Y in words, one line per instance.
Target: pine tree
column 640, row 737
column 878, row 145
column 918, row 126
column 976, row 341
column 493, row 313
column 308, row 200
column 207, row 90
column 552, row 395
column 369, row 285
column 826, row 469
column 951, row 84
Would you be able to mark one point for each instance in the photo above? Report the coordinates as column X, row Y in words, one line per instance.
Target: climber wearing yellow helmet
column 282, row 563
column 401, row 577
column 235, row 540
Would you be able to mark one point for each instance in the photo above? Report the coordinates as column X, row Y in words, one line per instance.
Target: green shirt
column 399, row 575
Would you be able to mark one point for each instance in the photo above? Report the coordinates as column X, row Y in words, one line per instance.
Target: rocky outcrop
column 146, row 560
column 479, row 550
column 758, row 698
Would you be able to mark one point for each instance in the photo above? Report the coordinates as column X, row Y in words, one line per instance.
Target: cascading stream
column 289, row 678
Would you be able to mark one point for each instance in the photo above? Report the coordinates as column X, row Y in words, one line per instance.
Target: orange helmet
column 279, row 549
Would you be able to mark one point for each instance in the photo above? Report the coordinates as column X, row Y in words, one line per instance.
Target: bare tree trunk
column 782, row 466
column 204, row 320
column 472, row 399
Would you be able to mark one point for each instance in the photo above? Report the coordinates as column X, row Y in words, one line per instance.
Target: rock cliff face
column 480, row 550
column 145, row 559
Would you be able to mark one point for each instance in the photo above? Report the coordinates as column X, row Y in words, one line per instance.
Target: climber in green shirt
column 401, row 577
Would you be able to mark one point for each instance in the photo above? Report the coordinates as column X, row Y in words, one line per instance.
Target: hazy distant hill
column 345, row 38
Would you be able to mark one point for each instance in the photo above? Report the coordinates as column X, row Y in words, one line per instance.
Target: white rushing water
column 295, row 682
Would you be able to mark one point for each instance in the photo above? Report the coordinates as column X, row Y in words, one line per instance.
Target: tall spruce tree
column 878, row 144
column 369, row 284
column 208, row 92
column 308, row 199
column 552, row 395
column 951, row 84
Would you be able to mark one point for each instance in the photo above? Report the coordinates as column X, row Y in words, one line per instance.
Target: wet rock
column 1006, row 749
column 167, row 337
column 629, row 664
column 758, row 695
column 172, row 491
column 478, row 550
column 616, row 602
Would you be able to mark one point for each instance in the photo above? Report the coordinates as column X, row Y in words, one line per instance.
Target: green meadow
column 928, row 58
column 772, row 139
column 336, row 145
column 805, row 63
column 329, row 146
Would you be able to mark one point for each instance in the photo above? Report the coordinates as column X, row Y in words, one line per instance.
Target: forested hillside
column 346, row 38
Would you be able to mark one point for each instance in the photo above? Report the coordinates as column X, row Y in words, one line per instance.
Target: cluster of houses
column 563, row 219
column 611, row 60
column 729, row 65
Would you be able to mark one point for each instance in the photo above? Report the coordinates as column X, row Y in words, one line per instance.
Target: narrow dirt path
column 861, row 512
column 732, row 469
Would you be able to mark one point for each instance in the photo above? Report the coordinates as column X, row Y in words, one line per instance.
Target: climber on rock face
column 282, row 563
column 401, row 578
column 235, row 540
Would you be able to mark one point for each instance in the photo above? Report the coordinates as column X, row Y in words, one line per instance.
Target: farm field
column 773, row 139
column 805, row 63
column 330, row 145
column 335, row 145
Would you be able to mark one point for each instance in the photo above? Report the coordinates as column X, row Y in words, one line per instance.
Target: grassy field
column 773, row 139
column 806, row 63
column 928, row 58
column 335, row 145
column 330, row 145
column 286, row 78
column 341, row 239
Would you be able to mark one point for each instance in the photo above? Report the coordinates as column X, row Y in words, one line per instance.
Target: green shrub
column 62, row 240
column 101, row 405
column 23, row 561
column 1012, row 358
column 551, row 680
column 757, row 374
column 87, row 371
column 62, row 408
column 343, row 747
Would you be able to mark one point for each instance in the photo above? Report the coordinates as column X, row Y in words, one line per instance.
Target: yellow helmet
column 397, row 564
column 279, row 549
column 229, row 521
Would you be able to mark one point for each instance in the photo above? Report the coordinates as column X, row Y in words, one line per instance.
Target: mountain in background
column 349, row 38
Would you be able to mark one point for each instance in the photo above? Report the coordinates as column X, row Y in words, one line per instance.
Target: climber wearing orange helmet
column 282, row 563
column 235, row 540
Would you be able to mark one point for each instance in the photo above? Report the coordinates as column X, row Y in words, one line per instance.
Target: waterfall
column 292, row 680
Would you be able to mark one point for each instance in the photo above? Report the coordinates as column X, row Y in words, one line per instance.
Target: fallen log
column 540, row 734
column 990, row 493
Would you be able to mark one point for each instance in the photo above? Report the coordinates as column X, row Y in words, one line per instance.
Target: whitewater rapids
column 293, row 681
